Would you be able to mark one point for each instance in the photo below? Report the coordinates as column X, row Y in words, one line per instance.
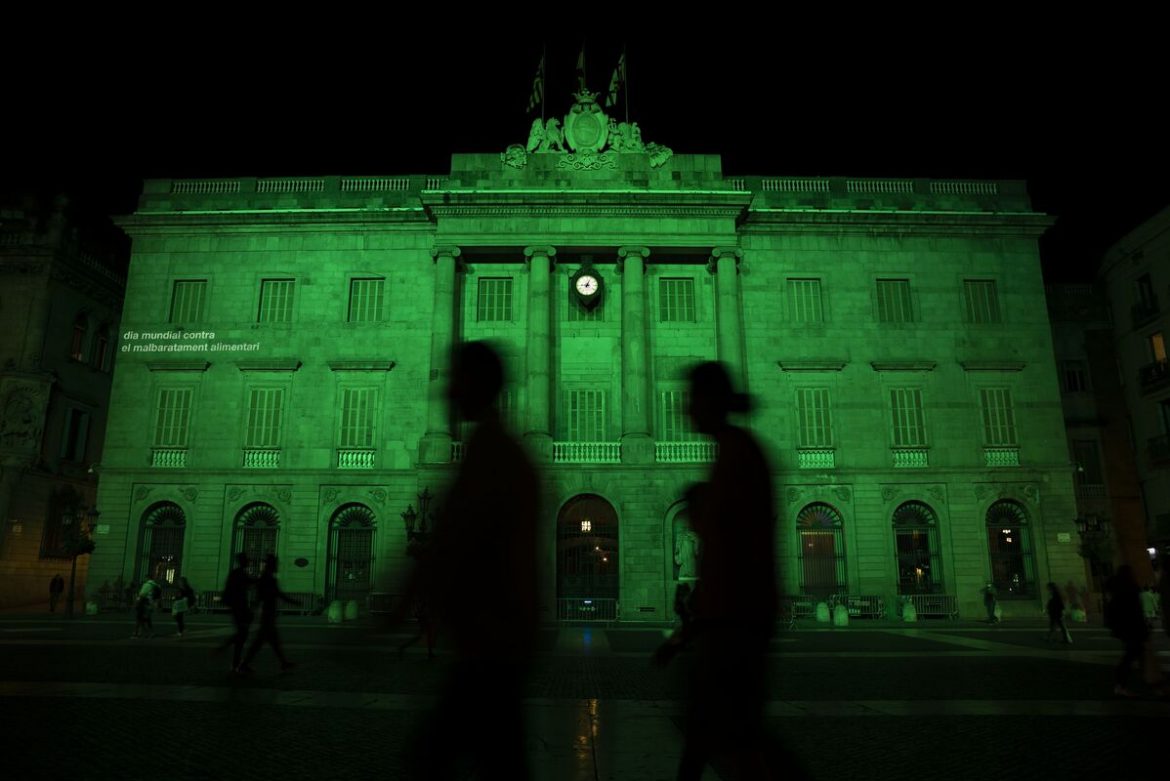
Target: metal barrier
column 860, row 605
column 934, row 605
column 587, row 609
column 382, row 602
column 306, row 603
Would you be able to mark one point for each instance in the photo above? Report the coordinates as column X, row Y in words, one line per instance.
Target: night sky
column 1069, row 109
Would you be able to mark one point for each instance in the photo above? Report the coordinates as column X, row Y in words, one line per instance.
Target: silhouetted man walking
column 235, row 596
column 269, row 592
column 56, row 587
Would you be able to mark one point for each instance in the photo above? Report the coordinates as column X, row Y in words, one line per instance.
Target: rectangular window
column 1088, row 461
column 676, row 300
column 804, row 300
column 578, row 313
column 101, row 358
column 172, row 417
column 999, row 423
column 76, row 432
column 357, row 417
column 982, row 301
column 674, row 424
column 1145, row 292
column 1158, row 347
column 495, row 299
column 909, row 425
column 187, row 300
column 1073, row 377
column 894, row 304
column 276, row 301
column 265, row 408
column 366, row 298
column 812, row 411
column 585, row 416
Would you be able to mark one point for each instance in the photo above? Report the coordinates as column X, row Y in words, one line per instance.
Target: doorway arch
column 588, row 563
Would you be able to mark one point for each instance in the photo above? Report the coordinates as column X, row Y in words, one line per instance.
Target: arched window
column 78, row 345
column 1010, row 549
column 916, row 548
column 101, row 349
column 351, row 553
column 161, row 553
column 255, row 534
column 822, row 550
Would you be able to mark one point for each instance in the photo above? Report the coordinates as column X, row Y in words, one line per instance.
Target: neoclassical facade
column 284, row 345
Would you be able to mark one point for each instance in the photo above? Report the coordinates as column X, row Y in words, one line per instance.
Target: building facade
column 285, row 341
column 1136, row 277
column 61, row 295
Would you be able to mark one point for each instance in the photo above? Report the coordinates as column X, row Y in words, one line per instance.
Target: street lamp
column 79, row 542
column 1096, row 545
column 423, row 519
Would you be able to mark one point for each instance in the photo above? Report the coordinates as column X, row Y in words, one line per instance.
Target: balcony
column 684, row 452
column 1144, row 311
column 816, row 458
column 168, row 458
column 996, row 457
column 910, row 457
column 587, row 452
column 1159, row 450
column 261, row 458
column 1090, row 491
column 456, row 452
column 355, row 458
column 1154, row 376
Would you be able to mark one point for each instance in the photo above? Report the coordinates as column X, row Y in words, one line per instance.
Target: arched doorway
column 351, row 554
column 256, row 528
column 1009, row 548
column 822, row 550
column 916, row 547
column 587, row 559
column 161, row 551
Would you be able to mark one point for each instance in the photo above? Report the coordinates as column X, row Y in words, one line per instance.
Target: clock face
column 586, row 285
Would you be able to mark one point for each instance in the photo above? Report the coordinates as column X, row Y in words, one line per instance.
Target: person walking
column 990, row 603
column 1149, row 600
column 268, row 591
column 1123, row 617
column 148, row 594
column 1055, row 608
column 183, row 604
column 235, row 597
column 56, row 587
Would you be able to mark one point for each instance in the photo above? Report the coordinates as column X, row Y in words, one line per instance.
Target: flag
column 537, row 87
column 581, row 67
column 617, row 81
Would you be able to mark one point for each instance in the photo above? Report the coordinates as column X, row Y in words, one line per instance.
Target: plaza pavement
column 877, row 700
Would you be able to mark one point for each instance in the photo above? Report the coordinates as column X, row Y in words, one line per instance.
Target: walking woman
column 1123, row 616
column 1055, row 609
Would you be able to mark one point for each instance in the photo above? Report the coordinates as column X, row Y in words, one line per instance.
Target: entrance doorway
column 587, row 560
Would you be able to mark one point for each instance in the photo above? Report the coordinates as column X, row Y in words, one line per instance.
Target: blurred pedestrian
column 991, row 603
column 1055, row 609
column 236, row 598
column 56, row 587
column 148, row 594
column 1123, row 617
column 183, row 603
column 268, row 591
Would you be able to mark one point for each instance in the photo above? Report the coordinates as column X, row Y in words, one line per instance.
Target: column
column 637, row 444
column 538, row 425
column 435, row 447
column 725, row 265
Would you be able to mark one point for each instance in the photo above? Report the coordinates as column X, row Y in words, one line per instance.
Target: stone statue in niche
column 686, row 550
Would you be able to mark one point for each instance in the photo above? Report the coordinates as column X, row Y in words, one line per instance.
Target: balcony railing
column 168, row 458
column 1153, row 376
column 911, row 457
column 1144, row 311
column 456, row 452
column 1090, row 491
column 1001, row 456
column 261, row 458
column 684, row 452
column 355, row 458
column 587, row 452
column 1159, row 450
column 816, row 458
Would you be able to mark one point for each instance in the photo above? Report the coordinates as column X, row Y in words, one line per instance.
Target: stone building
column 61, row 291
column 284, row 344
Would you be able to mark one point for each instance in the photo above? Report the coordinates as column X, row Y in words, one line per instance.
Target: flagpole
column 543, row 78
column 626, row 82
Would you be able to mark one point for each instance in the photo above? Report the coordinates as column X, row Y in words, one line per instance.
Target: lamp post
column 1096, row 546
column 79, row 542
column 423, row 520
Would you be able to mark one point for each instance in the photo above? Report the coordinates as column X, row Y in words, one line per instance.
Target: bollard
column 909, row 612
column 840, row 616
column 822, row 613
column 351, row 610
column 334, row 612
column 91, row 608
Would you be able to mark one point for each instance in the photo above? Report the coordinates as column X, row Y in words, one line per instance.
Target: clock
column 586, row 285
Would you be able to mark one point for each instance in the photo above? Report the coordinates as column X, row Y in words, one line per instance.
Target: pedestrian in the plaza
column 484, row 542
column 236, row 598
column 269, row 593
column 1123, row 617
column 425, row 627
column 735, row 602
column 1055, row 609
column 183, row 603
column 1164, row 590
column 991, row 603
column 1149, row 600
column 56, row 587
column 148, row 595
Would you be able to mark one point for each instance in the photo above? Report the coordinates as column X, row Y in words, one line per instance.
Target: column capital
column 719, row 253
column 449, row 250
column 548, row 252
column 638, row 252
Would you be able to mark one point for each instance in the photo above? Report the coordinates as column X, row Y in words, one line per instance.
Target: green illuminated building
column 279, row 383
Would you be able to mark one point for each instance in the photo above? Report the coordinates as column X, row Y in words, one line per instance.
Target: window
column 1088, row 461
column 822, row 550
column 893, row 298
column 585, row 416
column 999, row 423
column 1158, row 347
column 1073, row 377
column 276, row 301
column 812, row 412
column 578, row 313
column 1145, row 293
column 366, row 298
column 804, row 300
column 264, row 416
column 495, row 299
column 917, row 549
column 256, row 529
column 674, row 422
column 1010, row 549
column 676, row 300
column 906, row 411
column 172, row 417
column 187, row 300
column 982, row 301
column 76, row 433
column 357, row 417
column 508, row 408
column 77, row 343
column 101, row 356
